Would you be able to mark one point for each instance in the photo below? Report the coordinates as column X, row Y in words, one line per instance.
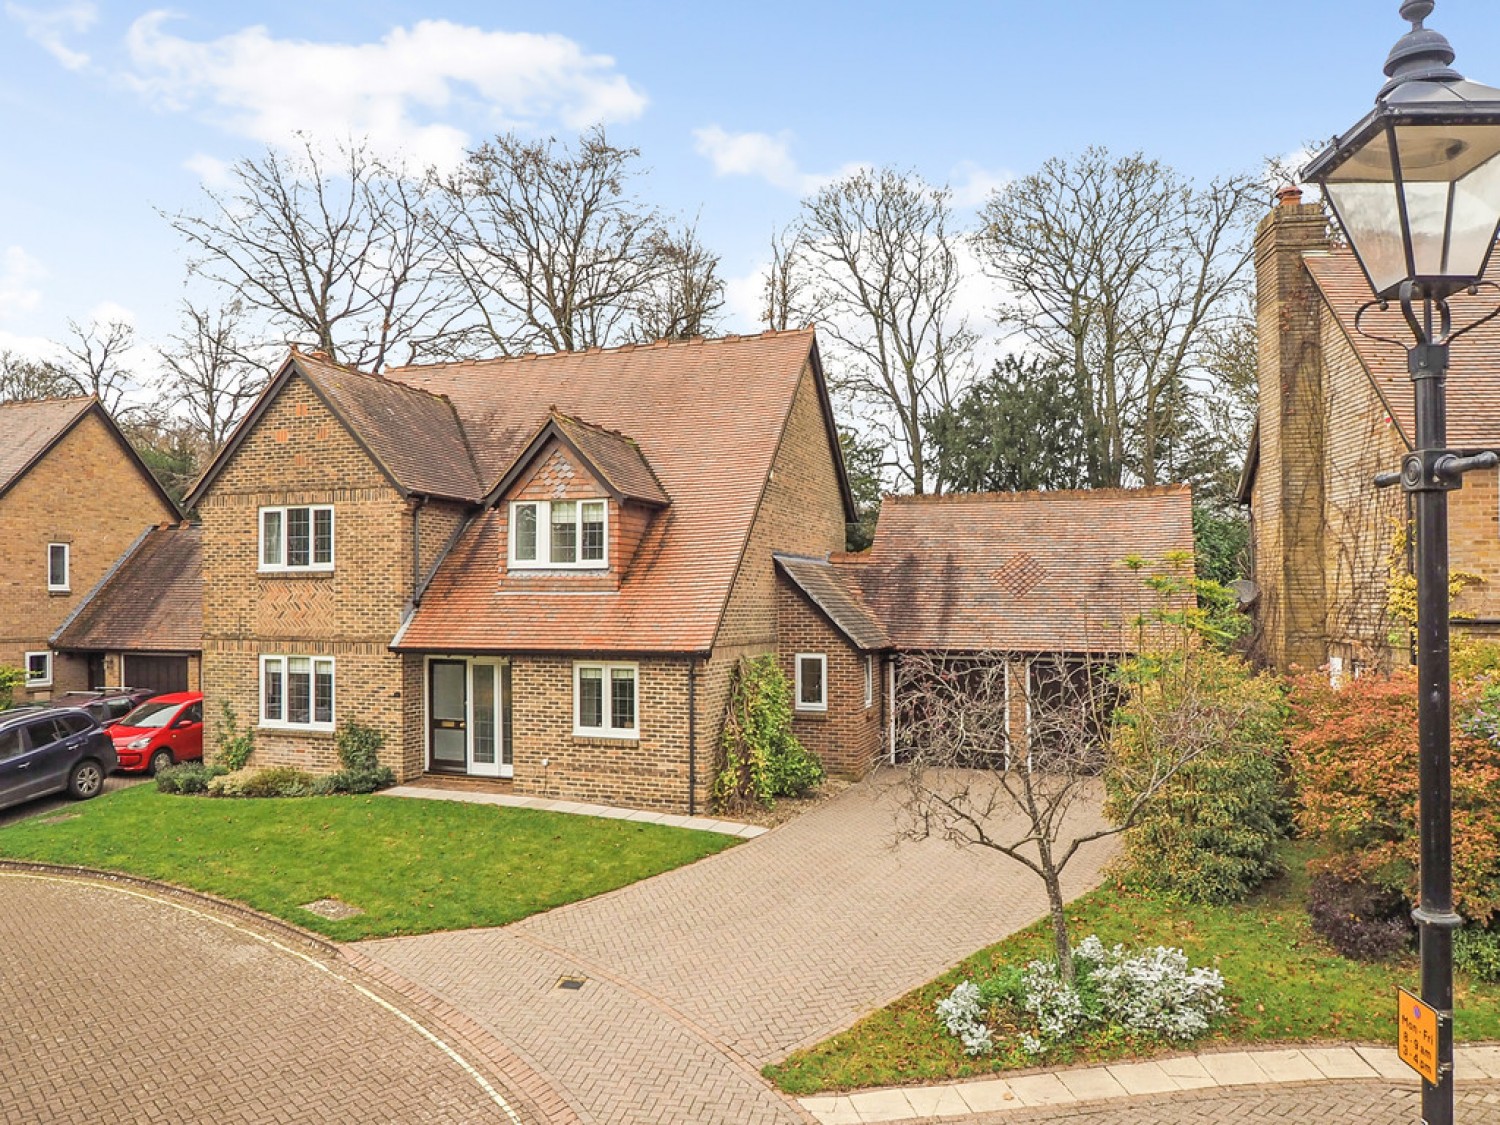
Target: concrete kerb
column 1096, row 1085
column 574, row 808
column 522, row 1082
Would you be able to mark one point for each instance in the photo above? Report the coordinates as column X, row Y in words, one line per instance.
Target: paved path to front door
column 695, row 979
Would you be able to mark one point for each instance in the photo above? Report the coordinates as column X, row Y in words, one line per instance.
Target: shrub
column 1354, row 758
column 1210, row 832
column 235, row 746
column 762, row 758
column 10, row 680
column 1152, row 994
column 1477, row 952
column 359, row 749
column 275, row 781
column 188, row 779
column 1359, row 919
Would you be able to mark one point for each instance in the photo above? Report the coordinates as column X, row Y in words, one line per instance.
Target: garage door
column 159, row 673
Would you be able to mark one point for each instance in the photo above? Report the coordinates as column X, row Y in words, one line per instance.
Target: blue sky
column 114, row 111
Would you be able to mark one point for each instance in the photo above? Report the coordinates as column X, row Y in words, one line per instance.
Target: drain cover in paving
column 332, row 908
column 572, row 984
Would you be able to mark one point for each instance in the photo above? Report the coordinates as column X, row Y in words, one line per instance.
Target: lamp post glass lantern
column 1415, row 184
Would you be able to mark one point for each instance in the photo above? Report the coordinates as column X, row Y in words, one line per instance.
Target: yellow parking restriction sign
column 1417, row 1035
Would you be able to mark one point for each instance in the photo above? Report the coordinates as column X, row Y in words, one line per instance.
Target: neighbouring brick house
column 1335, row 409
column 1036, row 579
column 142, row 624
column 543, row 568
column 74, row 496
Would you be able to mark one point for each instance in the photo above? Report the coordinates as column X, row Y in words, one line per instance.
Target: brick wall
column 650, row 772
column 88, row 493
column 801, row 512
column 300, row 454
column 848, row 735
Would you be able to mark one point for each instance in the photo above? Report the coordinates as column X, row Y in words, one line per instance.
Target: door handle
column 24, row 766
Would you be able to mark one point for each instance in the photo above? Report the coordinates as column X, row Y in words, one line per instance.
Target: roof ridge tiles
column 1146, row 490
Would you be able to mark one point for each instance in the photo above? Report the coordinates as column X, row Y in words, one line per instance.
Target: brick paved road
column 701, row 975
column 1326, row 1103
column 120, row 1006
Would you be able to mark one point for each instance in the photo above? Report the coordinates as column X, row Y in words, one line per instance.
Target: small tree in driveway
column 974, row 780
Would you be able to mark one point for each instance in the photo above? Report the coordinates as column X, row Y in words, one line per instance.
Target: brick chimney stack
column 1288, row 496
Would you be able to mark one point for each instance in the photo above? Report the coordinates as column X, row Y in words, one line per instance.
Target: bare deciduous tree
column 1118, row 268
column 686, row 297
column 26, row 380
column 335, row 251
column 554, row 251
column 874, row 261
column 91, row 363
column 1035, row 801
column 211, row 371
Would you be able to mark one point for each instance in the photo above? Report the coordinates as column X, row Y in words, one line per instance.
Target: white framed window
column 58, row 567
column 559, row 534
column 869, row 681
column 812, row 681
column 296, row 692
column 605, row 700
column 38, row 669
column 296, row 538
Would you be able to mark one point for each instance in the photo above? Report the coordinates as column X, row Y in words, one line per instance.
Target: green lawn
column 1284, row 983
column 412, row 866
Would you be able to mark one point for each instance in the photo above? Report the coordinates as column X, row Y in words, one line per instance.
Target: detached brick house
column 74, row 496
column 542, row 568
column 1335, row 409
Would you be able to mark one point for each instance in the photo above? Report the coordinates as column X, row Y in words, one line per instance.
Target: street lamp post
column 1416, row 187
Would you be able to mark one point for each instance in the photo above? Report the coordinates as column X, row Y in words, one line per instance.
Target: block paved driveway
column 698, row 977
column 123, row 1004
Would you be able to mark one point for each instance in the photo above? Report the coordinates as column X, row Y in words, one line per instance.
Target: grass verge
column 412, row 866
column 1284, row 985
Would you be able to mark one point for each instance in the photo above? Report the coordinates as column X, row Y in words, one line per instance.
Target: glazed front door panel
column 448, row 716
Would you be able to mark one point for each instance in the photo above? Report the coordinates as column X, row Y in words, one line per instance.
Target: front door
column 467, row 712
column 448, row 716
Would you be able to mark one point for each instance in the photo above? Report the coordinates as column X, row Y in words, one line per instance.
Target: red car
column 160, row 732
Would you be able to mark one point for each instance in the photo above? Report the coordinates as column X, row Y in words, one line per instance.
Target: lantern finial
column 1421, row 55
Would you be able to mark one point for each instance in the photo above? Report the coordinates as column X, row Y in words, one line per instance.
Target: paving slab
column 1187, row 1072
column 988, row 1094
column 1234, row 1068
column 1475, row 1061
column 1287, row 1066
column 937, row 1101
column 1386, row 1063
column 1339, row 1062
column 1091, row 1083
column 1040, row 1089
column 1143, row 1078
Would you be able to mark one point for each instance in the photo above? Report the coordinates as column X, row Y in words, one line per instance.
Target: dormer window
column 299, row 538
column 559, row 534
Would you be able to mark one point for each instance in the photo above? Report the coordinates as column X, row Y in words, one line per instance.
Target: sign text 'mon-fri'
column 1417, row 1035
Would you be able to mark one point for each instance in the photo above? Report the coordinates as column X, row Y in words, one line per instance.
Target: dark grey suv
column 43, row 752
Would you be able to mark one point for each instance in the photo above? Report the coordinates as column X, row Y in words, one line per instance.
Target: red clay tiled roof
column 415, row 435
column 1474, row 372
column 706, row 416
column 151, row 601
column 615, row 460
column 838, row 595
column 1019, row 572
column 28, row 429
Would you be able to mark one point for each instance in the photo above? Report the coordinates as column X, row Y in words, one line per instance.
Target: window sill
column 598, row 739
column 279, row 574
column 297, row 728
column 58, row 591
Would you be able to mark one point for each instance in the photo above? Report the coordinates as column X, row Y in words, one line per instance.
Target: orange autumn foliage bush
column 1353, row 752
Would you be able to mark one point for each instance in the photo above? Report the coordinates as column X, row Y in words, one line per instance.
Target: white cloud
column 19, row 272
column 48, row 28
column 213, row 172
column 390, row 91
column 972, row 185
column 111, row 312
column 763, row 156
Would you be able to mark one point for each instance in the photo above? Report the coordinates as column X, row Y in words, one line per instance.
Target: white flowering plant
column 1154, row 993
